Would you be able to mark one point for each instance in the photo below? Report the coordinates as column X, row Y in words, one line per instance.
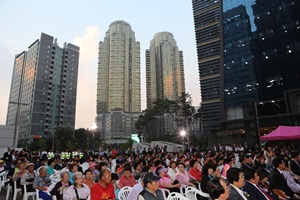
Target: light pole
column 88, row 143
column 27, row 134
column 94, row 128
column 183, row 134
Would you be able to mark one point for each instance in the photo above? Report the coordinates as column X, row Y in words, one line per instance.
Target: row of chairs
column 186, row 193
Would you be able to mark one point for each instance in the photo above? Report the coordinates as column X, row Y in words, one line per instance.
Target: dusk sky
column 84, row 24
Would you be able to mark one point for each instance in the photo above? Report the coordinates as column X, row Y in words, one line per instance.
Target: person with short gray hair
column 42, row 182
column 77, row 191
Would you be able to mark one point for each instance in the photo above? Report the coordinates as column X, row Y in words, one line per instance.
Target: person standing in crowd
column 61, row 186
column 151, row 190
column 236, row 179
column 42, row 182
column 269, row 155
column 8, row 157
column 78, row 190
column 103, row 189
column 218, row 189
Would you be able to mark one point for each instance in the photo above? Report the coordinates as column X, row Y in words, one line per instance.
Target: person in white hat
column 28, row 178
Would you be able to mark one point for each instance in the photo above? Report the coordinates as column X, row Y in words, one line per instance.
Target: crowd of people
column 233, row 172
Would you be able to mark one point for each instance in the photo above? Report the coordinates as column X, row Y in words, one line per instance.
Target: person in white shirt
column 137, row 188
column 172, row 170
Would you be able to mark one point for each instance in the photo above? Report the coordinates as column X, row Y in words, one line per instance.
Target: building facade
column 259, row 66
column 119, row 84
column 164, row 76
column 43, row 89
column 164, row 69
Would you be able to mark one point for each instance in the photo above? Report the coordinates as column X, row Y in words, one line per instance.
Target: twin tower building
column 119, row 78
column 44, row 83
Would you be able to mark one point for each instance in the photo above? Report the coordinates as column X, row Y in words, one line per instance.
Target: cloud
column 11, row 41
column 87, row 76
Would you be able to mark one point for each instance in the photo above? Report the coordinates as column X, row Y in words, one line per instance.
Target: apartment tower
column 119, row 84
column 43, row 89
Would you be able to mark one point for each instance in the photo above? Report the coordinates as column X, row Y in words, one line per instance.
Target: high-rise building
column 119, row 84
column 164, row 69
column 257, row 74
column 164, row 77
column 43, row 89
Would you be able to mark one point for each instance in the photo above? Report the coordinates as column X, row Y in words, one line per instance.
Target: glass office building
column 260, row 73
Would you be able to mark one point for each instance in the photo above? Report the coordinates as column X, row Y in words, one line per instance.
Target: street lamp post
column 88, row 143
column 183, row 134
column 27, row 134
column 94, row 128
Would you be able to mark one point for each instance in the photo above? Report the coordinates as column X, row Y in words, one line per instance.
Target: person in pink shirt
column 165, row 181
column 183, row 176
column 127, row 179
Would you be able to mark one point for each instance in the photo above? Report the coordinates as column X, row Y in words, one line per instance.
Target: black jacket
column 278, row 182
column 254, row 192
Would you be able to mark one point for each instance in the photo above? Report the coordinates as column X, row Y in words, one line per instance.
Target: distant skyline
column 84, row 24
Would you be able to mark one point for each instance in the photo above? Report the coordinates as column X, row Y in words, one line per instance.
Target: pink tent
column 283, row 133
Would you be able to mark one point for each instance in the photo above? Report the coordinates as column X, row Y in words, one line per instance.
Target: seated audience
column 277, row 179
column 251, row 186
column 165, row 181
column 236, row 179
column 28, row 178
column 127, row 179
column 183, row 176
column 42, row 182
column 77, row 191
column 61, row 186
column 151, row 190
column 72, row 169
column 88, row 178
column 207, row 175
column 103, row 189
column 293, row 185
column 50, row 168
column 172, row 170
column 218, row 189
column 295, row 163
column 194, row 170
column 264, row 185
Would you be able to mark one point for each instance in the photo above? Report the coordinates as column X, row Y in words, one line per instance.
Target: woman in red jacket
column 194, row 170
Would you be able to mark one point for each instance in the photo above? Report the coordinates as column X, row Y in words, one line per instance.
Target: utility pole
column 17, row 118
